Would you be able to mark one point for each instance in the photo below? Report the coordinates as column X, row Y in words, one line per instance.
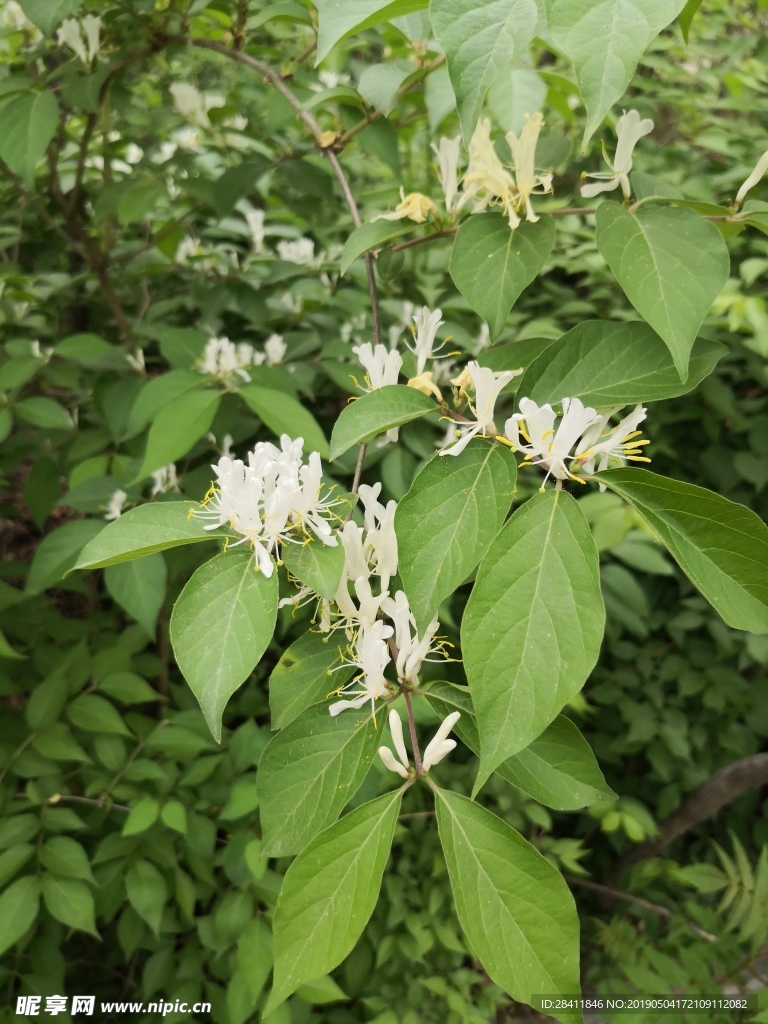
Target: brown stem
column 447, row 233
column 279, row 83
column 656, row 908
column 68, row 798
column 703, row 803
column 412, row 727
column 302, row 57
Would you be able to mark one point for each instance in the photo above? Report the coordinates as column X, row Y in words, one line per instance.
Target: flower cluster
column 274, row 499
column 434, row 752
column 580, row 440
column 226, row 363
column 82, row 38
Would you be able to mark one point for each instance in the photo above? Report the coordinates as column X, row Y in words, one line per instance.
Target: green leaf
column 137, row 202
column 316, row 565
column 128, row 688
column 624, row 28
column 532, row 628
column 446, row 521
column 338, row 18
column 671, row 265
column 380, row 410
column 11, row 861
column 309, row 772
column 91, row 351
column 243, row 799
column 303, row 677
column 380, row 83
column 220, row 627
column 147, row 892
column 70, row 901
column 254, row 954
column 65, row 856
column 96, row 714
column 19, row 905
column 513, row 905
column 177, row 427
column 139, row 588
column 686, row 16
column 321, row 991
column 57, row 553
column 328, row 895
column 142, row 531
column 6, row 651
column 558, row 769
column 606, row 364
column 43, row 413
column 492, row 266
column 156, row 394
column 722, row 547
column 27, row 125
column 143, row 815
column 47, row 14
column 174, row 815
column 372, row 236
column 284, row 415
column 481, row 39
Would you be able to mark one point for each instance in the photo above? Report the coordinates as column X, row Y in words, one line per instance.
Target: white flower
column 255, row 221
column 629, row 130
column 486, row 179
column 371, row 656
column 439, row 746
column 299, row 250
column 381, row 365
column 70, row 35
column 136, row 360
column 164, row 480
column 223, row 361
column 190, row 103
column 528, row 182
column 435, row 750
column 757, row 174
column 487, row 385
column 598, row 448
column 412, row 650
column 13, row 19
column 266, row 501
column 447, row 153
column 427, row 323
column 91, row 26
column 275, row 349
column 115, row 506
column 547, row 446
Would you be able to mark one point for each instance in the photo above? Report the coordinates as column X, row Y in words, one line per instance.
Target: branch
column 656, row 908
column 320, row 137
column 720, row 789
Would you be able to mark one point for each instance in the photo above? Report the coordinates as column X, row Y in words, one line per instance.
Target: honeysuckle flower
column 225, row 362
column 426, row 385
column 83, row 38
column 164, row 480
column 756, row 176
column 487, row 386
column 598, row 448
column 547, row 446
column 447, row 153
column 427, row 323
column 414, row 206
column 115, row 505
column 255, row 221
column 412, row 650
column 629, row 130
column 439, row 745
column 402, row 767
column 528, row 182
column 136, row 360
column 381, row 365
column 190, row 103
column 275, row 349
column 371, row 656
column 486, row 178
column 267, row 501
column 13, row 18
column 298, row 250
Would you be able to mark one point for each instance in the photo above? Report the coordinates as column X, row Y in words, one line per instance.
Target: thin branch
column 320, row 137
column 301, row 58
column 656, row 908
column 422, row 239
column 358, row 469
column 412, row 727
column 68, row 798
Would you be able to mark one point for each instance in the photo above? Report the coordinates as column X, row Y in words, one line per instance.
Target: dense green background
column 165, row 890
